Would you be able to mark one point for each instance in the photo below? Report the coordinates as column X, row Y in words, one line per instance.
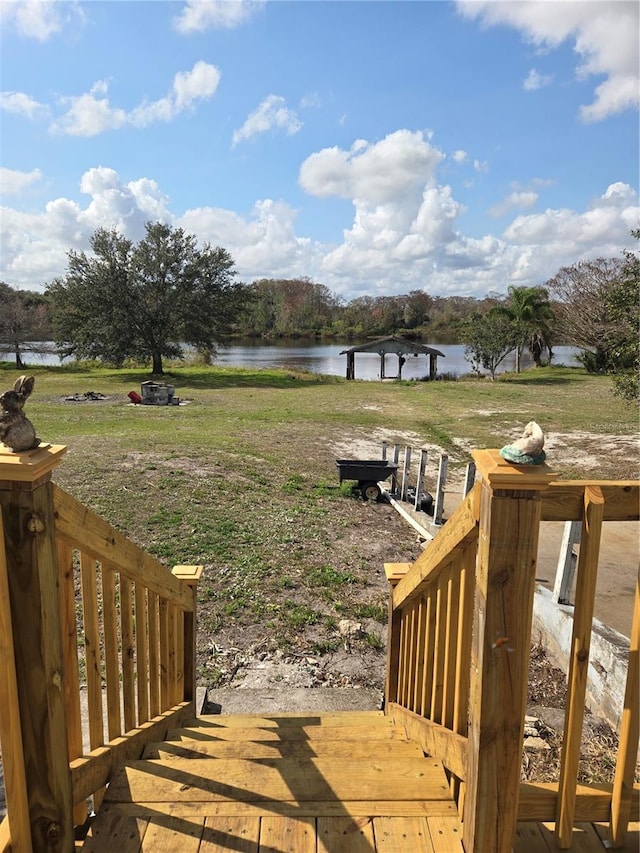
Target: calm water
column 326, row 358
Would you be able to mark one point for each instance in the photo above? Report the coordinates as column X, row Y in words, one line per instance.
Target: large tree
column 584, row 308
column 143, row 301
column 488, row 339
column 529, row 311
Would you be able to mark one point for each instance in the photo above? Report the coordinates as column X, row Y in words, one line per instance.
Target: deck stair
column 327, row 782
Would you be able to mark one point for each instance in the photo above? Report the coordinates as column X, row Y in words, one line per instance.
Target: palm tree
column 529, row 311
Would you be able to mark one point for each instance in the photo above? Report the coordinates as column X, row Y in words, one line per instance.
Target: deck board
column 327, row 783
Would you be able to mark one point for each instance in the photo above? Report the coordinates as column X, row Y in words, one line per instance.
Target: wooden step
column 326, row 718
column 280, row 780
column 376, row 731
column 249, row 749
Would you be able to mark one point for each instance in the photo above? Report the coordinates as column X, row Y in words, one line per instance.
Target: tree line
column 127, row 301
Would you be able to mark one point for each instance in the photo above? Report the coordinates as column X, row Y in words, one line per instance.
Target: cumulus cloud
column 23, row 105
column 12, row 182
column 39, row 19
column 405, row 233
column 91, row 113
column 272, row 113
column 460, row 156
column 605, row 36
column 513, row 201
column 534, row 80
column 201, row 15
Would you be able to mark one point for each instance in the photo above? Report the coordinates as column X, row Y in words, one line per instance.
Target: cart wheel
column 370, row 491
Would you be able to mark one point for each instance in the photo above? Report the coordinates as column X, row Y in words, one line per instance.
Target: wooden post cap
column 188, row 574
column 31, row 465
column 506, row 475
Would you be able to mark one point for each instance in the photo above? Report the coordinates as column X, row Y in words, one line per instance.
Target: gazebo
column 402, row 347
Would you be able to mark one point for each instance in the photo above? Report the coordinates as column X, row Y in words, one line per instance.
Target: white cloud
column 23, row 105
column 90, row 114
column 605, row 36
column 522, row 199
column 272, row 113
column 534, row 80
column 39, row 19
column 481, row 166
column 189, row 87
column 405, row 232
column 460, row 156
column 12, row 182
column 201, row 15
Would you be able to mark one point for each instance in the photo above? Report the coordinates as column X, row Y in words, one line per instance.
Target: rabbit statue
column 16, row 430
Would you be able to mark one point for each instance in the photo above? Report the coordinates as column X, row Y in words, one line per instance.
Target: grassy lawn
column 243, row 480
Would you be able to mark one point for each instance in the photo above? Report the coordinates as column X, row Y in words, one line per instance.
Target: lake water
column 326, row 358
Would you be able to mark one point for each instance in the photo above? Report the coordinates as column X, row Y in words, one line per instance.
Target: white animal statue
column 528, row 449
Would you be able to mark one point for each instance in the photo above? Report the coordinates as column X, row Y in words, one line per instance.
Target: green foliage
column 143, row 301
column 529, row 311
column 488, row 339
column 600, row 311
column 24, row 317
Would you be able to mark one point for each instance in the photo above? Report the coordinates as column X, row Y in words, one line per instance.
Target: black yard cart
column 368, row 473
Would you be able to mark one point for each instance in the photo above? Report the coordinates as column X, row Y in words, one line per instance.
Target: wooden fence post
column 421, row 469
column 510, row 513
column 32, row 572
column 191, row 576
column 442, row 479
column 405, row 474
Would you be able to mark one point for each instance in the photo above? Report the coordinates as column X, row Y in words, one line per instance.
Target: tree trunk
column 157, row 364
column 19, row 362
column 518, row 356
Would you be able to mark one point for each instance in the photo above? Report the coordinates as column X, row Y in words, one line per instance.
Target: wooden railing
column 97, row 652
column 459, row 644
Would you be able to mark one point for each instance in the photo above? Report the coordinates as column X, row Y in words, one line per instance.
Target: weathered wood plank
column 172, row 834
column 310, row 808
column 629, row 731
column 112, row 665
column 240, row 834
column 82, row 528
column 362, row 748
column 395, row 733
column 586, row 578
column 284, row 719
column 459, row 529
column 142, row 652
column 503, row 607
column 435, row 740
column 288, row 834
column 283, row 779
column 345, row 835
column 128, row 653
column 528, row 839
column 446, row 834
column 10, row 726
column 93, row 663
column 539, row 801
column 564, row 501
column 402, row 833
column 94, row 770
column 114, row 831
column 32, row 573
column 154, row 654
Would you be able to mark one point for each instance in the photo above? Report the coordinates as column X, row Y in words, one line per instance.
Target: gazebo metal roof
column 394, row 344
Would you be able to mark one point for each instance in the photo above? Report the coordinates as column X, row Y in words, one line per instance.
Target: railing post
column 32, row 573
column 510, row 514
column 191, row 576
column 394, row 573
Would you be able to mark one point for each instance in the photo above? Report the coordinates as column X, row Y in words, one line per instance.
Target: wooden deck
column 347, row 782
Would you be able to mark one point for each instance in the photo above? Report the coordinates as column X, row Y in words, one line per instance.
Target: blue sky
column 375, row 147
